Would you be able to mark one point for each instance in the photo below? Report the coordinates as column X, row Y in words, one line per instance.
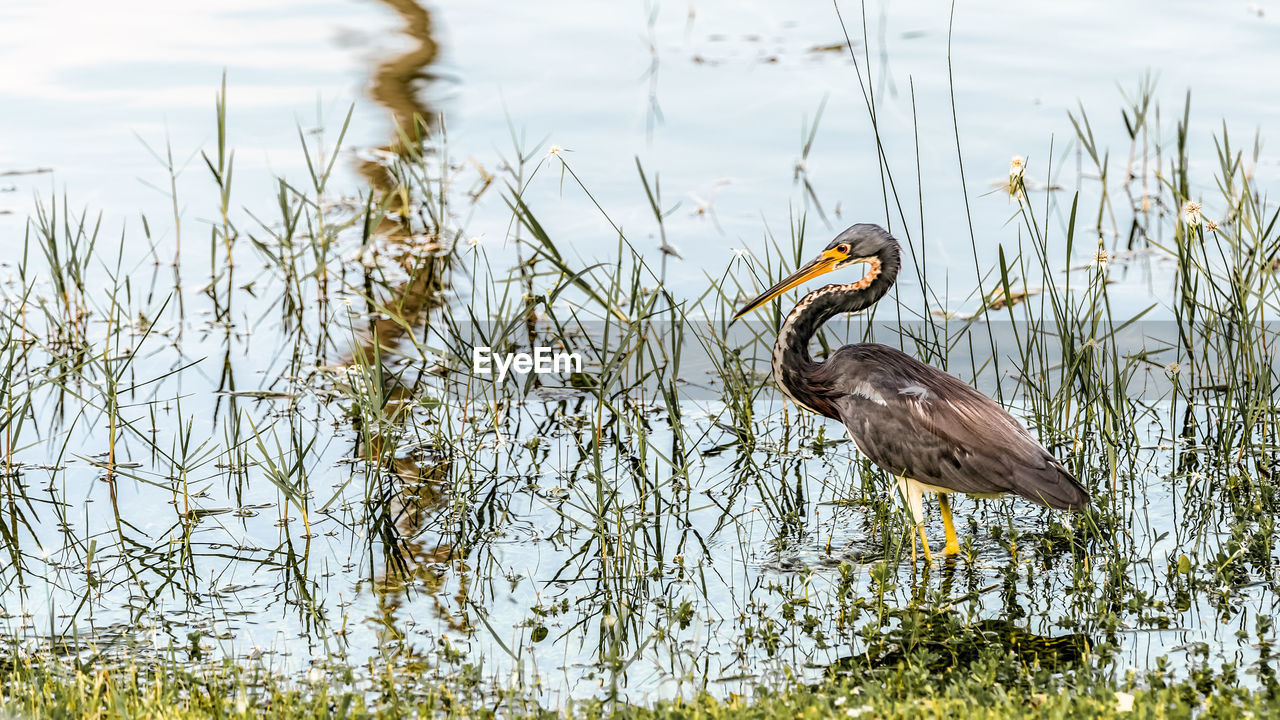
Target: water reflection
column 408, row 228
column 395, row 81
column 941, row 642
column 408, row 495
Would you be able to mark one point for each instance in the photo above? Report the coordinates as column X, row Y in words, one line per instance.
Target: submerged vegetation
column 263, row 475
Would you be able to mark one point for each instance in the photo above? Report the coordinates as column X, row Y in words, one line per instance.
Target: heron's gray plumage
column 919, row 422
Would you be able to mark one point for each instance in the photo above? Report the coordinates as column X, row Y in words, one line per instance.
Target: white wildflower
column 1124, row 702
column 1015, row 186
column 1101, row 258
column 1210, row 225
column 1191, row 212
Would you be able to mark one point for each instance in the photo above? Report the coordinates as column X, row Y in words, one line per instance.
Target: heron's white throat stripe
column 873, row 272
column 788, row 329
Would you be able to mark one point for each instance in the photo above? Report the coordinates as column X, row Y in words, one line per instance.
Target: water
column 589, row 559
column 735, row 87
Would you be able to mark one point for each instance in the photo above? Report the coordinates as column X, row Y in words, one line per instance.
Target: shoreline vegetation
column 176, row 691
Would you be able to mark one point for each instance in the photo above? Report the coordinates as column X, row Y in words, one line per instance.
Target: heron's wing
column 917, row 421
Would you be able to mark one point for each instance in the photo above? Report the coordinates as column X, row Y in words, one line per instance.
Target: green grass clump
column 175, row 691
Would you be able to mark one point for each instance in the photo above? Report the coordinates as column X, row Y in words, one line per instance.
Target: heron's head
column 863, row 243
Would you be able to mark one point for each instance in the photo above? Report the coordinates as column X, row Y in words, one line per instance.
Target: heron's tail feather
column 1056, row 488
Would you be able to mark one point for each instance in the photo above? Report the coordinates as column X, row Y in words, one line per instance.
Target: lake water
column 715, row 97
column 493, row 549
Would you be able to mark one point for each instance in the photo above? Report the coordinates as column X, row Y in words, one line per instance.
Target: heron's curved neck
column 793, row 367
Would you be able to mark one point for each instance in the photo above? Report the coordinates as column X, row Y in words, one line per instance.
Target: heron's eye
column 842, row 249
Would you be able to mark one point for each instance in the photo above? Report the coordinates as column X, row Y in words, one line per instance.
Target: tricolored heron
column 927, row 428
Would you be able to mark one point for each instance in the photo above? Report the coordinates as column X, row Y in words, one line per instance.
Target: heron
column 930, row 430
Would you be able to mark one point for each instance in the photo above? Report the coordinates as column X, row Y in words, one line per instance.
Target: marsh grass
column 301, row 443
column 174, row 689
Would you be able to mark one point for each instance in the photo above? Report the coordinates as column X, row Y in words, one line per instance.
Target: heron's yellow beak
column 821, row 265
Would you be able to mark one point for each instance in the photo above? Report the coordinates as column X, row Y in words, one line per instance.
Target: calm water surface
column 716, row 97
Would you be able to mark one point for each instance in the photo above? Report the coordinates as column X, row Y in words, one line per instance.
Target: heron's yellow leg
column 953, row 546
column 912, row 493
column 924, row 542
